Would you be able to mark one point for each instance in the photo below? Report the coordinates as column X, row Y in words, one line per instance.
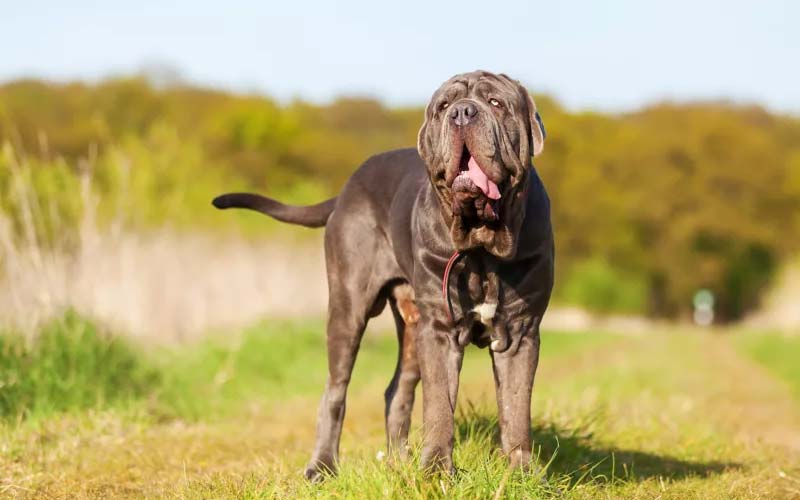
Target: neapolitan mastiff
column 456, row 237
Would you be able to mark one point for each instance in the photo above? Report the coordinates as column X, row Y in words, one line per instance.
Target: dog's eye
column 494, row 102
column 443, row 106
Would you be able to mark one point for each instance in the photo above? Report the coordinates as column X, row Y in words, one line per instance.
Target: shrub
column 596, row 285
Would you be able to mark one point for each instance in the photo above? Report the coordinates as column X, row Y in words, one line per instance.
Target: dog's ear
column 423, row 141
column 535, row 123
column 538, row 133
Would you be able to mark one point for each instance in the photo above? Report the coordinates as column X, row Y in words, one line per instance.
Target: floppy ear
column 423, row 142
column 538, row 133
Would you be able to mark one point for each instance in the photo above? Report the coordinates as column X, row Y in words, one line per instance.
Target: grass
column 71, row 365
column 677, row 414
column 778, row 353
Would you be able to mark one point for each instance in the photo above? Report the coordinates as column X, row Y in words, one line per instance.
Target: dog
column 456, row 237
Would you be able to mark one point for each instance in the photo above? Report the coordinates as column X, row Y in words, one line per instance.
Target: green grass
column 279, row 360
column 70, row 365
column 669, row 415
column 778, row 353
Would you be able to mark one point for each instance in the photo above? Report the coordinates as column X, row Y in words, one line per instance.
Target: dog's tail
column 308, row 216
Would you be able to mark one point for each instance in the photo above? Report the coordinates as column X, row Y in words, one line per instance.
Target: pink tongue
column 477, row 176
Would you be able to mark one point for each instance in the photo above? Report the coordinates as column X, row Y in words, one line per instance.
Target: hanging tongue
column 479, row 178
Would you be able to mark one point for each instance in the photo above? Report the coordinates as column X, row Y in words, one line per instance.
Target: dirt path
column 753, row 403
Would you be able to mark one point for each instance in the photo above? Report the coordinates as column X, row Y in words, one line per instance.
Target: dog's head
column 477, row 140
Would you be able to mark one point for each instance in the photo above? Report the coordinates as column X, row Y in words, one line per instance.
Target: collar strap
column 446, row 283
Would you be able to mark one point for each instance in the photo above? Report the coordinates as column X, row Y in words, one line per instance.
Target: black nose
column 462, row 112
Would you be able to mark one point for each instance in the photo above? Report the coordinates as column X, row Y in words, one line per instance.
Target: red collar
column 446, row 284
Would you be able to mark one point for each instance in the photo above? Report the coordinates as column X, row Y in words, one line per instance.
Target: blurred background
column 673, row 152
column 153, row 346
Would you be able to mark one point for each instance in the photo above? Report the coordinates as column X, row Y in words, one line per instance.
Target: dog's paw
column 520, row 459
column 317, row 470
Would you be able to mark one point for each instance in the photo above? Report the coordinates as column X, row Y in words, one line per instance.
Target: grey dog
column 466, row 203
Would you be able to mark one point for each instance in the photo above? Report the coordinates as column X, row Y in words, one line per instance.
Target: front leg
column 440, row 358
column 514, row 371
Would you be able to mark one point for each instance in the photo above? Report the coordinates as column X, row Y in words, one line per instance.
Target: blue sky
column 608, row 54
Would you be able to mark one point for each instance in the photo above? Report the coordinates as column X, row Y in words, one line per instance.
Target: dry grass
column 158, row 284
column 162, row 286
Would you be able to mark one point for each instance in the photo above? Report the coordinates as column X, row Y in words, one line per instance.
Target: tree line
column 649, row 206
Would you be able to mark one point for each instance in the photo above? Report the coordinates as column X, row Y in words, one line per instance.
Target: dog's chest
column 486, row 312
column 490, row 301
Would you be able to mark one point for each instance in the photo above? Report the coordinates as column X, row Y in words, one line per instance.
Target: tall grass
column 70, row 365
column 60, row 251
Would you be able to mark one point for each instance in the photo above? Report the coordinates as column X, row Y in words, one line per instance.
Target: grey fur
column 388, row 237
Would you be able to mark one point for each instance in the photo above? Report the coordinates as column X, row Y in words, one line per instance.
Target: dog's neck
column 499, row 238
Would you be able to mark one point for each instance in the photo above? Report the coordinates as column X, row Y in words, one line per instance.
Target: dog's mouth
column 471, row 173
column 474, row 194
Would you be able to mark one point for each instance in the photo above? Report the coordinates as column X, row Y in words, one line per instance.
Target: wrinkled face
column 477, row 140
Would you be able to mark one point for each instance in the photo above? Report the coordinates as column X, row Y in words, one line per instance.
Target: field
column 673, row 413
column 152, row 346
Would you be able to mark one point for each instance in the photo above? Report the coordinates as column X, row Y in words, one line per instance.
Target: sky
column 607, row 55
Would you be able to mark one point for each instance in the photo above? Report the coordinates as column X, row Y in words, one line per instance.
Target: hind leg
column 355, row 293
column 400, row 393
column 344, row 336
